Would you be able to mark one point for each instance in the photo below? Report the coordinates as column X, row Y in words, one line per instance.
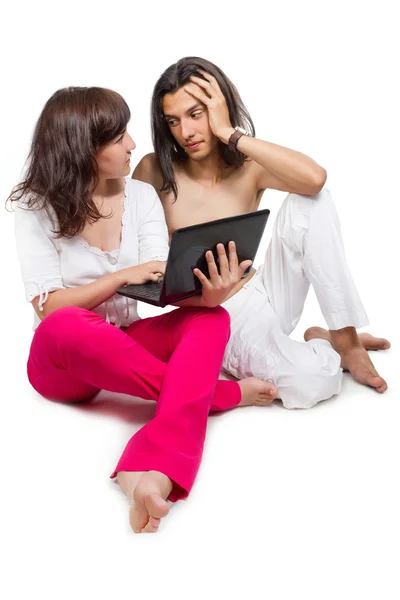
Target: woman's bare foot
column 128, row 480
column 150, row 502
column 147, row 492
column 353, row 352
column 256, row 392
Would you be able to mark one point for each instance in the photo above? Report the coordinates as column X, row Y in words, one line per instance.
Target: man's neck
column 206, row 171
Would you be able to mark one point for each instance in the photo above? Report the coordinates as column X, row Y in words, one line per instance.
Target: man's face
column 187, row 119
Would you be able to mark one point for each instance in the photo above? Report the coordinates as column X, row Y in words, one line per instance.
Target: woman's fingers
column 158, row 266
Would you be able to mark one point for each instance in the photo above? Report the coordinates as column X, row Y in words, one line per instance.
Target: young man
column 204, row 168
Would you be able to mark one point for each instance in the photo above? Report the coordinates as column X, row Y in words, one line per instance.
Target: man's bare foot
column 150, row 502
column 357, row 361
column 368, row 341
column 353, row 352
column 256, row 392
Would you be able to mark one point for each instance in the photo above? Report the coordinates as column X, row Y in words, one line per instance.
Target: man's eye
column 120, row 139
column 196, row 114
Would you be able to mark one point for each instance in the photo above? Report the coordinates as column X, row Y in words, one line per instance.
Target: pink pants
column 174, row 358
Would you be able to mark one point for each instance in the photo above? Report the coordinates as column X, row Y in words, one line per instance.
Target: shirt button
column 112, row 260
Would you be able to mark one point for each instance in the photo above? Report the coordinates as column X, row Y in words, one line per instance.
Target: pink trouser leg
column 148, row 333
column 75, row 353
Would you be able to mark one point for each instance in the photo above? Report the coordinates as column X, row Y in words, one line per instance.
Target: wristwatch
column 235, row 137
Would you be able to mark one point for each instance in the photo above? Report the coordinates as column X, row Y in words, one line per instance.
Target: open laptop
column 187, row 251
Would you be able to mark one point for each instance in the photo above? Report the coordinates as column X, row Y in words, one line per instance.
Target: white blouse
column 49, row 264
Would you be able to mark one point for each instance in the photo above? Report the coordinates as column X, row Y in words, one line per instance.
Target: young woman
column 84, row 230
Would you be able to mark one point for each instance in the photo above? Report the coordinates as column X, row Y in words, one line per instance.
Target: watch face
column 242, row 130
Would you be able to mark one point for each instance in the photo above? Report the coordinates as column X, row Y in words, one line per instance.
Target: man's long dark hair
column 61, row 167
column 165, row 146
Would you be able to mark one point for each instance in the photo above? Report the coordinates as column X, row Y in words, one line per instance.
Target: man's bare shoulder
column 148, row 170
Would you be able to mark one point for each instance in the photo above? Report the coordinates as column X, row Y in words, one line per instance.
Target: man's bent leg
column 304, row 373
column 307, row 247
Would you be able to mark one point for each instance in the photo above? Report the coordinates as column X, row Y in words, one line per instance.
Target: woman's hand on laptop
column 150, row 271
column 218, row 287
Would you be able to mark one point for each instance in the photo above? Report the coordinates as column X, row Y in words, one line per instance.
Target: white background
column 287, row 504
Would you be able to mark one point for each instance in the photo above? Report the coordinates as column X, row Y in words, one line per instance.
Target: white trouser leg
column 304, row 372
column 307, row 248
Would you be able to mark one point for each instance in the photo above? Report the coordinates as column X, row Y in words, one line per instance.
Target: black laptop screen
column 189, row 245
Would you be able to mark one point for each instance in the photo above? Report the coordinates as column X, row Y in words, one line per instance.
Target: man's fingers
column 233, row 259
column 202, row 278
column 244, row 265
column 223, row 262
column 203, row 84
column 197, row 92
column 213, row 82
column 212, row 267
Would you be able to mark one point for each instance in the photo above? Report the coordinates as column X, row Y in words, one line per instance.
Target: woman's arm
column 93, row 294
column 41, row 274
column 86, row 296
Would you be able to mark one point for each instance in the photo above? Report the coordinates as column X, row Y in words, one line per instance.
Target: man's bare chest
column 198, row 205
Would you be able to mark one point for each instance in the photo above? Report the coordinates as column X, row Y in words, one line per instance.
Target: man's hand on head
column 209, row 93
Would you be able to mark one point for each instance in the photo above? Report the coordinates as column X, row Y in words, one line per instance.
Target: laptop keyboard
column 151, row 290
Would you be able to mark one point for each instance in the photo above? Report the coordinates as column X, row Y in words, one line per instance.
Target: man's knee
column 311, row 383
column 306, row 391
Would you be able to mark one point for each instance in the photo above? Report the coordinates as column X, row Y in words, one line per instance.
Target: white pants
column 306, row 248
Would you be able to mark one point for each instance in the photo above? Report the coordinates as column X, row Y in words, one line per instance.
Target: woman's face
column 113, row 158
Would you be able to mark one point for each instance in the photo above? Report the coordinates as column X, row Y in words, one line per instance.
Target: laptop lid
column 189, row 245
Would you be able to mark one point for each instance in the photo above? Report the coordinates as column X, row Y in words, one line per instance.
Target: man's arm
column 280, row 168
column 274, row 166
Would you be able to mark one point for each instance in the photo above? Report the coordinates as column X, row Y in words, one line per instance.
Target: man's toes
column 378, row 383
column 382, row 387
column 371, row 342
column 379, row 344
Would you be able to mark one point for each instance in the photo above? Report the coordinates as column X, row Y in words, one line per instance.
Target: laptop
column 187, row 251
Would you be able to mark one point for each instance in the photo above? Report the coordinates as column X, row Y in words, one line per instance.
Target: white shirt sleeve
column 38, row 256
column 152, row 227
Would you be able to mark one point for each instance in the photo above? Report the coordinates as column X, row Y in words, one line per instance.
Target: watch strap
column 233, row 140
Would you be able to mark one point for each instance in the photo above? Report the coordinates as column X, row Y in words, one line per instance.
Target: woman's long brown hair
column 61, row 167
